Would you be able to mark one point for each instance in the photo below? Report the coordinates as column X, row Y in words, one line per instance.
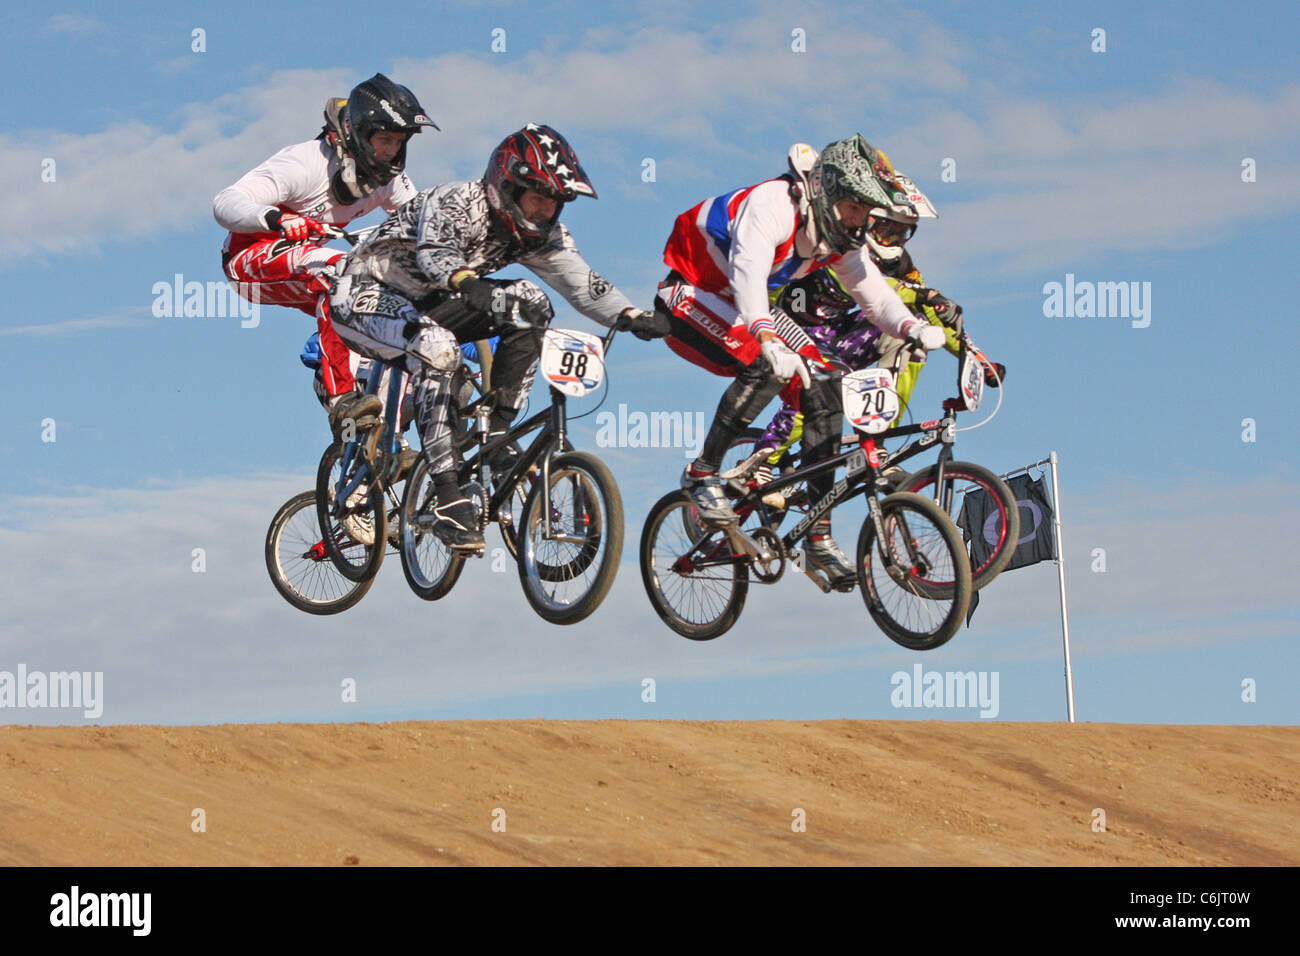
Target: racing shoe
column 363, row 409
column 502, row 458
column 706, row 495
column 825, row 555
column 456, row 525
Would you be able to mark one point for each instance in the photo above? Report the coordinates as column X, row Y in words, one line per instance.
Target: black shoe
column 456, row 526
column 503, row 458
column 363, row 410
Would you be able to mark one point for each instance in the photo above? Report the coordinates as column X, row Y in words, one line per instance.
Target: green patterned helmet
column 848, row 169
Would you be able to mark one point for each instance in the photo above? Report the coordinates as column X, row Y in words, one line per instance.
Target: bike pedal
column 798, row 559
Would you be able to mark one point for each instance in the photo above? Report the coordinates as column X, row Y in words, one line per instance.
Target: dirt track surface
column 650, row 792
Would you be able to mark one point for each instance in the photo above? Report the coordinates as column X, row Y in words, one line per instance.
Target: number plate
column 972, row 381
column 574, row 362
column 870, row 400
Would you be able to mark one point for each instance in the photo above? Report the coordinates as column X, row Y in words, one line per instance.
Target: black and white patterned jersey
column 448, row 228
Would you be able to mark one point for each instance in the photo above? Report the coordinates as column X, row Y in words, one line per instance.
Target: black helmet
column 379, row 104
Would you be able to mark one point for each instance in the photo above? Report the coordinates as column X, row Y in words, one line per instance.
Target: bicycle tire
column 344, row 538
column 594, row 515
column 963, row 477
column 299, row 566
column 929, row 546
column 722, row 592
column 431, row 568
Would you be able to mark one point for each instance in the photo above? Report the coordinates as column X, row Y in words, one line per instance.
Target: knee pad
column 435, row 348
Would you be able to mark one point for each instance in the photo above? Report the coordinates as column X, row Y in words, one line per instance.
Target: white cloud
column 73, row 23
column 124, row 318
column 117, row 594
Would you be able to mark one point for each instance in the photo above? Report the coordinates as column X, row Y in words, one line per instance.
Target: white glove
column 786, row 363
column 926, row 336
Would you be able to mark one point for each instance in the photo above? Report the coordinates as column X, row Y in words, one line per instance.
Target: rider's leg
column 378, row 322
column 821, row 406
column 514, row 362
column 297, row 275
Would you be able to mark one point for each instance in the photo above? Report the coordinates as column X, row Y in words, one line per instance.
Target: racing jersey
column 449, row 228
column 743, row 243
column 297, row 179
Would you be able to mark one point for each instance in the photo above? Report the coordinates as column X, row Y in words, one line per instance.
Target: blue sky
column 1124, row 165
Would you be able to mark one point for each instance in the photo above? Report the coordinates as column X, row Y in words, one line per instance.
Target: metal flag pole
column 1060, row 567
column 1052, row 460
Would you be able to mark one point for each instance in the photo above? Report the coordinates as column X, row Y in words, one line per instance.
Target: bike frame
column 553, row 422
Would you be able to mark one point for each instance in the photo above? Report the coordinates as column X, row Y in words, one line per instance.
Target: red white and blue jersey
column 743, row 244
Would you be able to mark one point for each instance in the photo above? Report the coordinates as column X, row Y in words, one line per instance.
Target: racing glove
column 945, row 310
column 491, row 298
column 645, row 325
column 787, row 363
column 294, row 227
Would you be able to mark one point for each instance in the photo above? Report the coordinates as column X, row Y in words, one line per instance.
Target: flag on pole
column 979, row 526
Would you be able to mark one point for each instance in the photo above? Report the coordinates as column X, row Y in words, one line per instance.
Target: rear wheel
column 698, row 590
column 431, row 568
column 353, row 535
column 916, row 581
column 299, row 566
column 1001, row 528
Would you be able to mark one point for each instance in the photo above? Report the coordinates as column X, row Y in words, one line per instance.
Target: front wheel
column 994, row 542
column 695, row 582
column 431, row 568
column 569, row 556
column 299, row 566
column 916, row 582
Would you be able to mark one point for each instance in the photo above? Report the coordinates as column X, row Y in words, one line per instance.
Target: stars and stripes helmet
column 537, row 158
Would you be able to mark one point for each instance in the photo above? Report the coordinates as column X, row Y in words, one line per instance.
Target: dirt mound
column 650, row 792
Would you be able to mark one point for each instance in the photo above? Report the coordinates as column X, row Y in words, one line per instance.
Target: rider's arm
column 559, row 264
column 445, row 228
column 880, row 304
column 279, row 181
column 400, row 192
column 765, row 219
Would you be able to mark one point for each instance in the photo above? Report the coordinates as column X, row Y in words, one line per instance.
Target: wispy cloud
column 74, row 23
column 127, row 318
column 176, row 645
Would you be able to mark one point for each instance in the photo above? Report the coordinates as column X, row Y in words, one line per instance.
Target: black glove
column 495, row 300
column 645, row 325
column 947, row 311
column 989, row 378
column 478, row 293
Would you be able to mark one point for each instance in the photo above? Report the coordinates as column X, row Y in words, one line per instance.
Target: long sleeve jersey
column 743, row 243
column 297, row 179
column 449, row 228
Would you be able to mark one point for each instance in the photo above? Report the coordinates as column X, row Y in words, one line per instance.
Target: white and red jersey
column 743, row 244
column 297, row 179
